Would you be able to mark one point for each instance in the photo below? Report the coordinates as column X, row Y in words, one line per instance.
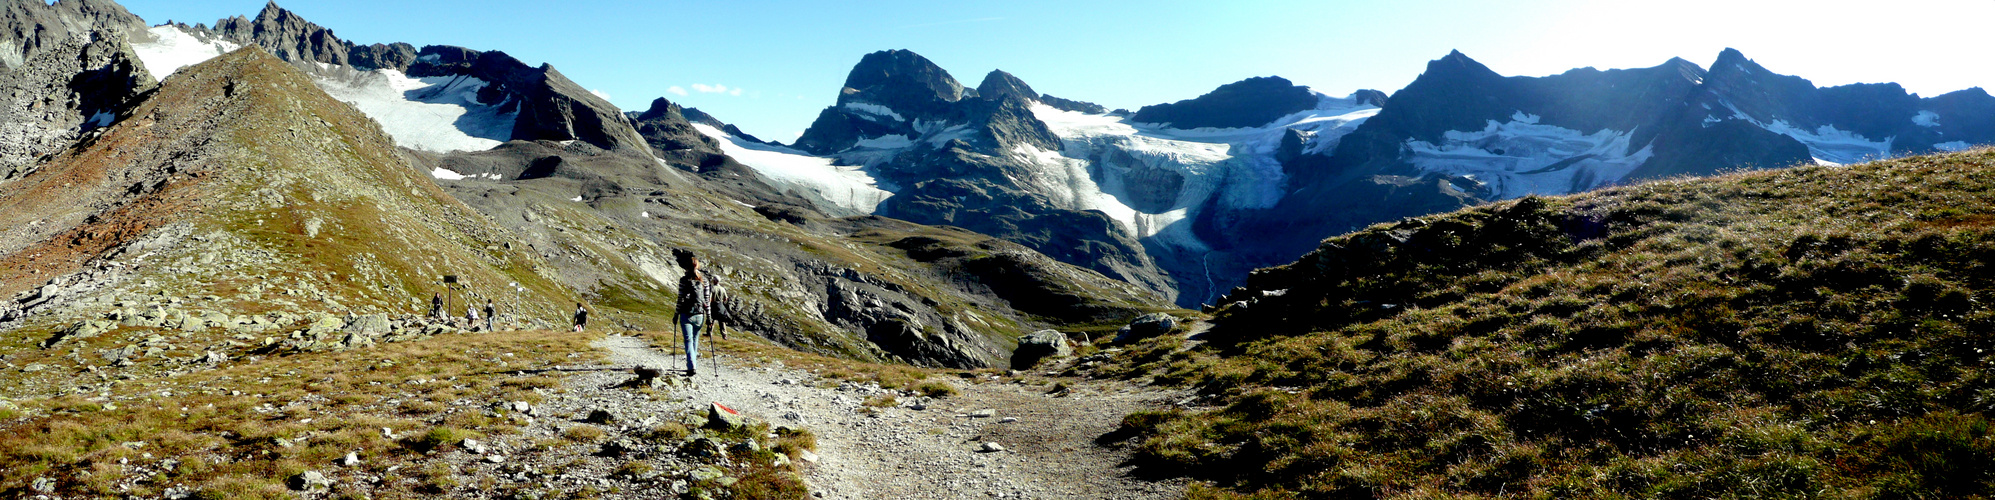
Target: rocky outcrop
column 396, row 56
column 1247, row 103
column 1072, row 105
column 67, row 90
column 29, row 27
column 286, row 35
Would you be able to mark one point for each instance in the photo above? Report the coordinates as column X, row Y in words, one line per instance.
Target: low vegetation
column 1812, row 332
column 241, row 430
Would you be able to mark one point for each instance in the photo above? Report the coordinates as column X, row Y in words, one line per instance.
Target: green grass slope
column 1812, row 332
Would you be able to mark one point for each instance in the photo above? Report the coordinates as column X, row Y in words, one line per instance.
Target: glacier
column 838, row 190
column 1522, row 157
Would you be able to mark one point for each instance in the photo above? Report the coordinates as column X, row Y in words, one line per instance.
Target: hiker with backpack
column 581, row 317
column 695, row 309
column 491, row 316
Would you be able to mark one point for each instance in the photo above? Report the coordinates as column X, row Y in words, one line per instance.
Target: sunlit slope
column 1819, row 329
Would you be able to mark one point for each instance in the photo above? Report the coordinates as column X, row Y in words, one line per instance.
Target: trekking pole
column 713, row 348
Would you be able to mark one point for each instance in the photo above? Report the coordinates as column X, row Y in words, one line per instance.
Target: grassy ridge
column 1806, row 332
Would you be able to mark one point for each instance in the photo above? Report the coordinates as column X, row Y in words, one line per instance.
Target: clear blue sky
column 788, row 59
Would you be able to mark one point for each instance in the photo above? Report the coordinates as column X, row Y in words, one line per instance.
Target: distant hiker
column 436, row 306
column 695, row 306
column 581, row 316
column 491, row 315
column 471, row 318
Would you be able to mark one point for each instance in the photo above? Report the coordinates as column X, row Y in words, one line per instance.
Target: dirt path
column 904, row 452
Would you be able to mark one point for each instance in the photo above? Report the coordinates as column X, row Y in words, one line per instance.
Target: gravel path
column 933, row 451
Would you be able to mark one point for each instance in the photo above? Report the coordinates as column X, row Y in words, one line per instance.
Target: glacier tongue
column 838, row 190
column 1522, row 157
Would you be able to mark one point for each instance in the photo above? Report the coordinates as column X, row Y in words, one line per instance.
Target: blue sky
column 769, row 66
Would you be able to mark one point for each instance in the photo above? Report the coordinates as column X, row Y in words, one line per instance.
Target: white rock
column 990, row 447
column 1007, row 420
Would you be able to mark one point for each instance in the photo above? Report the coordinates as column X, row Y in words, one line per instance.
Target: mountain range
column 1173, row 202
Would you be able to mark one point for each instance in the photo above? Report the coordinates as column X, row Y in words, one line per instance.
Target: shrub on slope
column 1808, row 332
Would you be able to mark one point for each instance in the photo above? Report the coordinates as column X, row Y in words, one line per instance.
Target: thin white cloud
column 734, row 91
column 676, row 90
column 709, row 89
column 599, row 93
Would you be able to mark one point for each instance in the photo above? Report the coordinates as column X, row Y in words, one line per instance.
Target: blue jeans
column 690, row 330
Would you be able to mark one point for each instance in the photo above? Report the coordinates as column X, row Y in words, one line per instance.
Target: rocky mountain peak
column 999, row 83
column 1247, row 103
column 903, row 81
column 661, row 108
column 287, row 35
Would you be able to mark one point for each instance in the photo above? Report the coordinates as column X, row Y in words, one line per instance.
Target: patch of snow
column 446, row 174
column 1523, row 157
column 1831, row 145
column 839, row 190
column 172, row 49
column 645, row 214
column 1521, row 117
column 1952, row 146
column 439, row 113
column 874, row 110
column 1926, row 119
column 577, row 198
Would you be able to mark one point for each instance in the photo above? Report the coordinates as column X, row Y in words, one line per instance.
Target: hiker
column 695, row 306
column 581, row 317
column 491, row 316
column 471, row 317
column 436, row 306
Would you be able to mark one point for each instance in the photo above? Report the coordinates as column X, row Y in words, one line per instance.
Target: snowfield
column 839, row 190
column 440, row 114
column 1523, row 157
column 172, row 49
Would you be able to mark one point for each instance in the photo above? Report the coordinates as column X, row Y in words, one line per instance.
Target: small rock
column 351, row 459
column 601, row 416
column 1146, row 326
column 473, row 446
column 984, row 413
column 523, row 407
column 807, row 456
column 723, row 418
column 989, row 447
column 308, row 480
column 495, row 458
column 43, row 485
column 746, row 447
column 708, row 473
column 701, row 448
column 1007, row 420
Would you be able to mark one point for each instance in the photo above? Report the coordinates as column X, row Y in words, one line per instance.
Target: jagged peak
column 1457, row 63
column 999, row 83
column 660, row 108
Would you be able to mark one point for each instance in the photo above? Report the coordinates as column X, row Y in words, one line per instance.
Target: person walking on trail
column 695, row 307
column 491, row 315
column 471, row 317
column 436, row 306
column 581, row 317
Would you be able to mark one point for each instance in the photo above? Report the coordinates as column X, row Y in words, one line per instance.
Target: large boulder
column 1146, row 326
column 1038, row 346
